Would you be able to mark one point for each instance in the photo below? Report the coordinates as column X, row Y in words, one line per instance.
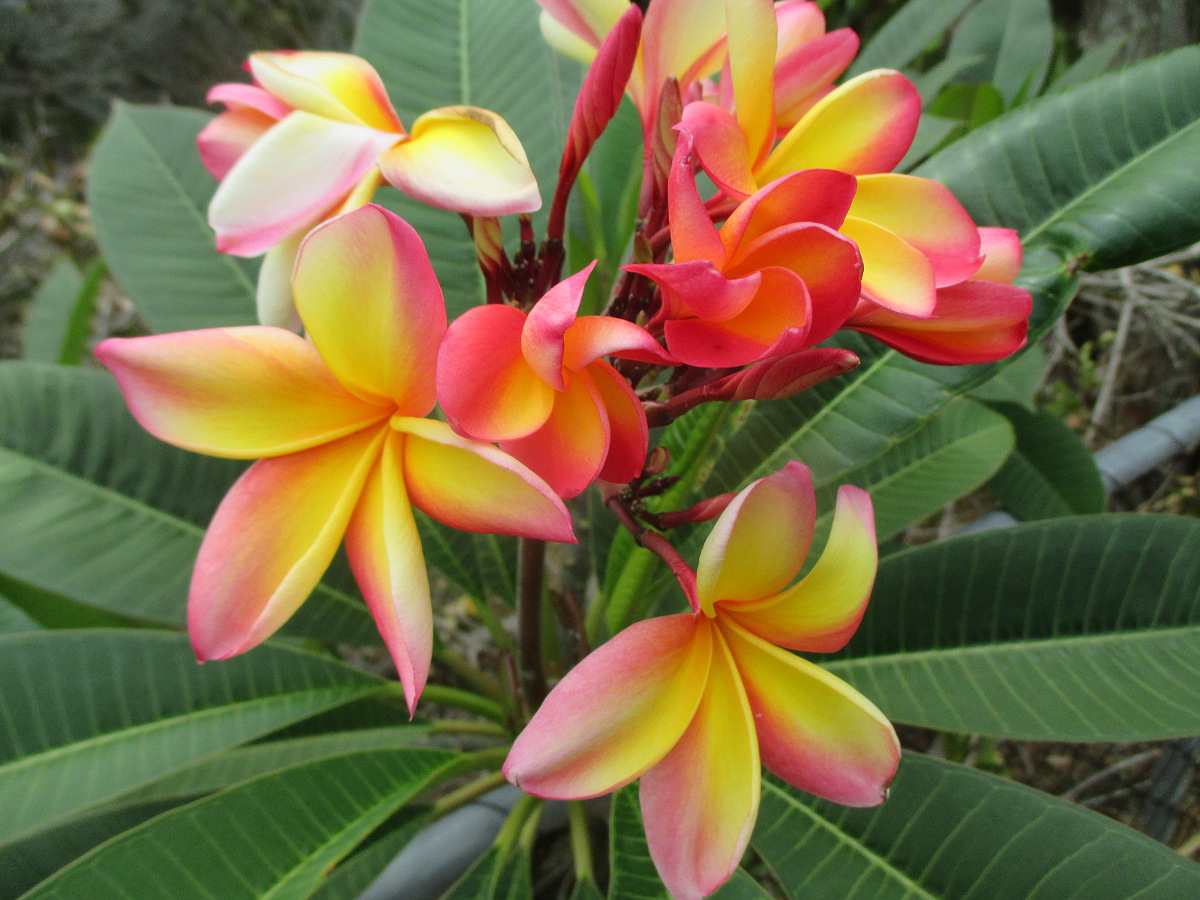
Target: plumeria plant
column 553, row 441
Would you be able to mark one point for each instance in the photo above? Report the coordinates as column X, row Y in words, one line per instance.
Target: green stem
column 469, row 726
column 529, row 831
column 581, row 842
column 485, row 684
column 467, row 793
column 460, row 699
column 514, row 825
column 531, row 561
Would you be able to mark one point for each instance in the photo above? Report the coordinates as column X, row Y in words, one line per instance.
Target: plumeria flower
column 806, row 61
column 982, row 319
column 694, row 704
column 681, row 39
column 315, row 135
column 539, row 384
column 337, row 423
column 914, row 235
column 777, row 278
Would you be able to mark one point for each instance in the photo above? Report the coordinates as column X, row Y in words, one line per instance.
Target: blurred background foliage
column 1128, row 348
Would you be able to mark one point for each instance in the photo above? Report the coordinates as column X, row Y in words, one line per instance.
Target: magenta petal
column 721, row 146
column 542, row 337
column 698, row 289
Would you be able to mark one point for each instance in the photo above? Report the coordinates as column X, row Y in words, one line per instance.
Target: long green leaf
column 951, row 832
column 149, row 193
column 274, row 837
column 1078, row 629
column 632, row 875
column 914, row 27
column 58, row 324
column 356, row 873
column 495, row 876
column 46, row 320
column 1016, row 39
column 243, row 763
column 25, row 863
column 132, row 706
column 1051, row 473
column 951, row 455
column 1105, row 171
column 94, row 508
column 1016, row 382
column 14, row 620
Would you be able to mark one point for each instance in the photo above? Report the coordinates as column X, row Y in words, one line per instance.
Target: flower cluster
column 809, row 232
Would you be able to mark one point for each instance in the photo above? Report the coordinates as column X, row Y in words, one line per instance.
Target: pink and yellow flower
column 315, row 135
column 539, row 385
column 777, row 278
column 337, row 424
column 695, row 704
column 981, row 319
column 681, row 39
column 913, row 234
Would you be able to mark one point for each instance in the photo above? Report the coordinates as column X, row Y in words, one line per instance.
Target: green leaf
column 1016, row 40
column 632, row 875
column 360, row 869
column 585, row 890
column 495, row 876
column 243, row 763
column 1051, row 473
column 1081, row 629
column 949, row 456
column 614, row 169
column 1018, row 381
column 1093, row 63
column 149, row 193
column 741, row 886
column 94, row 508
column 972, row 104
column 58, row 324
column 51, row 308
column 133, row 706
column 1104, row 171
column 951, row 832
column 273, row 837
column 915, row 26
column 483, row 565
column 25, row 863
column 14, row 620
column 931, row 133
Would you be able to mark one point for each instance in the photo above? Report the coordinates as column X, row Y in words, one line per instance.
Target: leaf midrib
column 50, row 756
column 194, row 211
column 1062, row 211
column 858, row 846
column 1019, row 645
column 394, row 800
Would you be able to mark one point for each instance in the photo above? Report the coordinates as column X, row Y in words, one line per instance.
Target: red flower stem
column 655, row 543
column 531, row 563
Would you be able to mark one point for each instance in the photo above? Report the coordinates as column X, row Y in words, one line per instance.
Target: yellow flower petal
column 465, row 159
